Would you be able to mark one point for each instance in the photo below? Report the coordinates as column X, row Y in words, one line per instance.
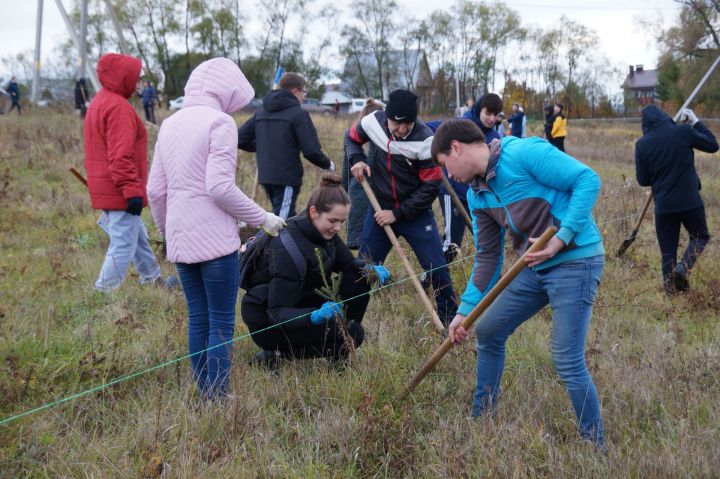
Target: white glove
column 688, row 116
column 331, row 167
column 273, row 224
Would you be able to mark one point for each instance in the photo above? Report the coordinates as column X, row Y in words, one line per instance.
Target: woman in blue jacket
column 523, row 186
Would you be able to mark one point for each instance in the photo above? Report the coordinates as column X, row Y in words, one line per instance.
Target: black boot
column 680, row 277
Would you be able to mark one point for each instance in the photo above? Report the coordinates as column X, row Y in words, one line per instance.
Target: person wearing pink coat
column 196, row 204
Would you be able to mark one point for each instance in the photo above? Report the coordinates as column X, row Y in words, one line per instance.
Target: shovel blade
column 625, row 245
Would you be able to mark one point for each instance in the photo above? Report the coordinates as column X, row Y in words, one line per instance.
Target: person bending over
column 523, row 186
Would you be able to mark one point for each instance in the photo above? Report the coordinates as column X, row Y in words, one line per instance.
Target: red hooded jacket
column 115, row 137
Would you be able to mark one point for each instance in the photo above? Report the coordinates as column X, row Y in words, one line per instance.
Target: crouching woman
column 282, row 307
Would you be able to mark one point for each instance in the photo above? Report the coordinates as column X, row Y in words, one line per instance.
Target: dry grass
column 655, row 361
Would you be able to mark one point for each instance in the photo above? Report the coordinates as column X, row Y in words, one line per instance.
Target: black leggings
column 667, row 227
column 325, row 340
column 559, row 143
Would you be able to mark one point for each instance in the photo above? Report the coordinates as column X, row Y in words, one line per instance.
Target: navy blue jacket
column 664, row 160
column 516, row 122
column 14, row 91
column 278, row 133
column 148, row 95
column 490, row 134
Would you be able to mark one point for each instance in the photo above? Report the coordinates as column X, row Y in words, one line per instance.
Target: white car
column 177, row 103
column 357, row 105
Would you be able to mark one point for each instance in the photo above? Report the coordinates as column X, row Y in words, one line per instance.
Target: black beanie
column 402, row 106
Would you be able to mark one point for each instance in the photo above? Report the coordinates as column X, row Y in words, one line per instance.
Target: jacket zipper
column 392, row 177
column 507, row 213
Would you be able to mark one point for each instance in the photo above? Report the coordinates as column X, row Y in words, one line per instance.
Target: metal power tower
column 85, row 69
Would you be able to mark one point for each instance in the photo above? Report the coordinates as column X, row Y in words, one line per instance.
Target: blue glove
column 381, row 271
column 326, row 312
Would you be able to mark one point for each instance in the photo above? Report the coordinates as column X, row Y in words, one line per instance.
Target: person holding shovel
column 405, row 181
column 523, row 186
column 664, row 160
column 283, row 309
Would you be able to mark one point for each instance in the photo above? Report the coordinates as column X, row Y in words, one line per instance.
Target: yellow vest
column 559, row 128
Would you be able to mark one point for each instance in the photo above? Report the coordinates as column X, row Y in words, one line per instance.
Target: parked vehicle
column 254, row 105
column 313, row 105
column 177, row 103
column 357, row 105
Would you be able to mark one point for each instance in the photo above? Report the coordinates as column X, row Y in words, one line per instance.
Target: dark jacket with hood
column 278, row 133
column 406, row 186
column 549, row 120
column 14, row 91
column 490, row 134
column 81, row 94
column 516, row 122
column 277, row 288
column 115, row 137
column 664, row 160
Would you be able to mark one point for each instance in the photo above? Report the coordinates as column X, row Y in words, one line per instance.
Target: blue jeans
column 128, row 244
column 211, row 289
column 570, row 289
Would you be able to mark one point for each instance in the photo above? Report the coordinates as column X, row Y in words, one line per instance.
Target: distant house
column 406, row 68
column 640, row 87
column 330, row 98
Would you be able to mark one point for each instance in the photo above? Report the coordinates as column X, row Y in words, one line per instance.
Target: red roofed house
column 640, row 87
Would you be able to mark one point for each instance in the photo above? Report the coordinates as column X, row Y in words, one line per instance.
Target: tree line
column 474, row 46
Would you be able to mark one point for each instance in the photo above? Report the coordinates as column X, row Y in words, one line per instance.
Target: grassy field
column 655, row 359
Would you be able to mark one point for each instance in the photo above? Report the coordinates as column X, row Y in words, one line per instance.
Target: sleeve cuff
column 356, row 159
column 465, row 308
column 565, row 235
column 399, row 215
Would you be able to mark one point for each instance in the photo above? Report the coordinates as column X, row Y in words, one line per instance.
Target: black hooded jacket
column 278, row 133
column 406, row 186
column 664, row 160
column 549, row 120
column 276, row 284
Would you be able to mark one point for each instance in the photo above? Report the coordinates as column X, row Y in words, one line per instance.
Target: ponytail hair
column 328, row 194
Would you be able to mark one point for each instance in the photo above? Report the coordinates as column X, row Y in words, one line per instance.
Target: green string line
column 177, row 360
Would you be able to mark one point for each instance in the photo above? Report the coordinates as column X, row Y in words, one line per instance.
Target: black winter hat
column 402, row 106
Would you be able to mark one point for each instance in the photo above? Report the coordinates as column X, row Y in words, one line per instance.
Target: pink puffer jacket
column 191, row 189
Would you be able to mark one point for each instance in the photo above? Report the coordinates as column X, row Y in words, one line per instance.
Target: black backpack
column 251, row 251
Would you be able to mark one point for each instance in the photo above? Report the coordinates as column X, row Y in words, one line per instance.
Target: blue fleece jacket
column 529, row 186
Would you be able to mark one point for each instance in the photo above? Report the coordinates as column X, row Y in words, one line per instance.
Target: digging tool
column 408, row 268
column 480, row 308
column 633, row 234
column 458, row 204
column 78, row 175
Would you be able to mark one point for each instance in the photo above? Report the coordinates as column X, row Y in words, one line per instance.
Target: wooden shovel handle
column 78, row 175
column 480, row 308
column 408, row 268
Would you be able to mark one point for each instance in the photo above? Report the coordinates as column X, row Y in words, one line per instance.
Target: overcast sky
column 622, row 39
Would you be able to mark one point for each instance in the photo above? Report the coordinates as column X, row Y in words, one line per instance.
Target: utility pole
column 457, row 93
column 83, row 38
column 38, row 39
column 76, row 41
column 116, row 25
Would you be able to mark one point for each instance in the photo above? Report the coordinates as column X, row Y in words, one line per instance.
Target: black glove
column 135, row 205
